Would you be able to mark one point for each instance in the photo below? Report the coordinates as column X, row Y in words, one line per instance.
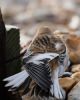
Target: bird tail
column 15, row 81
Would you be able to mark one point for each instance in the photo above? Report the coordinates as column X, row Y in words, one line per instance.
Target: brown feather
column 45, row 41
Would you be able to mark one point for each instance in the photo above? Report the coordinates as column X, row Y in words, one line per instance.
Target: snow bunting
column 44, row 61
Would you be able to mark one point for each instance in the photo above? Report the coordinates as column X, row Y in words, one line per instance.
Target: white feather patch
column 17, row 79
column 53, row 89
column 58, row 92
column 61, row 70
column 16, row 75
column 58, row 46
column 19, row 82
column 36, row 59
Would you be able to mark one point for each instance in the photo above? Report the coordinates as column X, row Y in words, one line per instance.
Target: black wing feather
column 41, row 74
column 38, row 80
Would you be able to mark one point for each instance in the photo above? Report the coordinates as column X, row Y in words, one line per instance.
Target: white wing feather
column 17, row 79
column 36, row 59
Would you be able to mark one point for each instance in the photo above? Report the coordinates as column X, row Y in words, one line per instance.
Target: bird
column 45, row 60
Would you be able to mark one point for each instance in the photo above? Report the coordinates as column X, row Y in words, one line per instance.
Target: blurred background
column 29, row 14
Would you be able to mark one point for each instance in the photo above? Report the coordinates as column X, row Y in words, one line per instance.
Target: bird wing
column 39, row 69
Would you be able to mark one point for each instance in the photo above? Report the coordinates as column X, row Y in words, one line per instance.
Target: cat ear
column 44, row 30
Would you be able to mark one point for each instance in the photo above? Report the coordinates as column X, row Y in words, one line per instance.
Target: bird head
column 46, row 41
